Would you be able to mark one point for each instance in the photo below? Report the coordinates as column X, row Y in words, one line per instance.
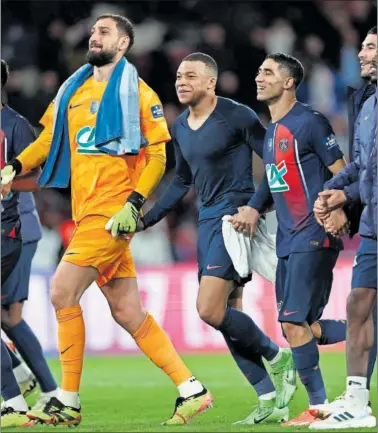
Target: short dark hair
column 4, row 73
column 124, row 26
column 291, row 64
column 204, row 58
column 372, row 31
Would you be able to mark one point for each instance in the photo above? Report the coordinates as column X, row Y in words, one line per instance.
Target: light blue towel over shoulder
column 118, row 129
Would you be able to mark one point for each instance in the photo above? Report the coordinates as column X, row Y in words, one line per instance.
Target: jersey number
column 275, row 174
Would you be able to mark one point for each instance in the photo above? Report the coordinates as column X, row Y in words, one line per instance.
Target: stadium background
column 45, row 41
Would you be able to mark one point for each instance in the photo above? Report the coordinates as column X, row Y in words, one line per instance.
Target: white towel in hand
column 258, row 254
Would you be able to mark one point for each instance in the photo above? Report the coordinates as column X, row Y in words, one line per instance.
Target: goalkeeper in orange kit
column 109, row 186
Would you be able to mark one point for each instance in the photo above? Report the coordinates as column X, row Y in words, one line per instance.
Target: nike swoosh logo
column 70, row 253
column 212, row 267
column 75, row 106
column 65, row 350
column 258, row 420
column 289, row 313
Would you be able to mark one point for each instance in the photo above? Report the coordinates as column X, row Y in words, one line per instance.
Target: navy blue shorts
column 365, row 265
column 16, row 288
column 303, row 285
column 10, row 254
column 212, row 256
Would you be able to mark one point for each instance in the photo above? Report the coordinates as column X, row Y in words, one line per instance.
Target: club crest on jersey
column 157, row 111
column 275, row 174
column 94, row 107
column 283, row 145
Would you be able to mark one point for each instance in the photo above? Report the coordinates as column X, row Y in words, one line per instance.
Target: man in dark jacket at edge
column 357, row 183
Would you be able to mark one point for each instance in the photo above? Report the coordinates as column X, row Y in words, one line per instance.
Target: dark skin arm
column 27, row 182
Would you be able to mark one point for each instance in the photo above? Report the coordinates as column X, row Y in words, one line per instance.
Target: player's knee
column 129, row 318
column 10, row 317
column 358, row 306
column 316, row 330
column 294, row 331
column 210, row 314
column 63, row 296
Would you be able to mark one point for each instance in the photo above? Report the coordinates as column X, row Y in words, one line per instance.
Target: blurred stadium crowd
column 45, row 41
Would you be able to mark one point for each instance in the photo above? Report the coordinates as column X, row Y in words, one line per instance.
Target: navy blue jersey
column 18, row 134
column 297, row 151
column 216, row 159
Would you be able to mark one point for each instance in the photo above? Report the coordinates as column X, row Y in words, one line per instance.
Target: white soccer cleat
column 344, row 401
column 345, row 419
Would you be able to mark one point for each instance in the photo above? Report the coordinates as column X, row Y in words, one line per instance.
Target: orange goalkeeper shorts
column 92, row 245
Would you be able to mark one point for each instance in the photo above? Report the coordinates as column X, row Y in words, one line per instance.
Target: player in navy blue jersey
column 16, row 133
column 300, row 154
column 214, row 140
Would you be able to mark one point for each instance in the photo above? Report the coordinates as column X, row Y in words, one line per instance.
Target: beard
column 373, row 76
column 100, row 59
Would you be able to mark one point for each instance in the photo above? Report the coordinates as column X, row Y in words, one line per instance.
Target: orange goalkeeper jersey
column 100, row 183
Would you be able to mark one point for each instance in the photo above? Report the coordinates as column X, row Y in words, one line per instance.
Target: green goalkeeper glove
column 125, row 221
column 11, row 170
column 7, row 175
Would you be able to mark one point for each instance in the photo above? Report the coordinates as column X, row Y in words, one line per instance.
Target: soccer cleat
column 27, row 387
column 306, row 418
column 41, row 402
column 344, row 419
column 188, row 408
column 265, row 411
column 344, row 401
column 55, row 413
column 14, row 418
column 284, row 378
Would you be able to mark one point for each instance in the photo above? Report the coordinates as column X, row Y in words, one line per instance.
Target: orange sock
column 154, row 342
column 71, row 338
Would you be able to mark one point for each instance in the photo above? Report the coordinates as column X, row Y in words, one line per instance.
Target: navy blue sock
column 306, row 359
column 252, row 366
column 241, row 327
column 15, row 361
column 9, row 386
column 373, row 350
column 333, row 331
column 31, row 351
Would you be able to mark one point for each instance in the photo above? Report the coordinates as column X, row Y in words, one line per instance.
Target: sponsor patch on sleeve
column 330, row 141
column 157, row 111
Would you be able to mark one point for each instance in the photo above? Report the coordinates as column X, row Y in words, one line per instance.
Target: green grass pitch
column 129, row 394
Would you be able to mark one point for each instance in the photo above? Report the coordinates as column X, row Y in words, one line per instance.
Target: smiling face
column 106, row 44
column 272, row 80
column 194, row 81
column 368, row 57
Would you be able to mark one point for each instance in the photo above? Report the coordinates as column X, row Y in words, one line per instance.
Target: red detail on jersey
column 12, row 233
column 296, row 196
column 326, row 243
